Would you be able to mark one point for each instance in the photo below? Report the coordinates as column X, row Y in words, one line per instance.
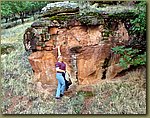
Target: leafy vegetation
column 130, row 56
column 135, row 52
column 139, row 23
column 11, row 9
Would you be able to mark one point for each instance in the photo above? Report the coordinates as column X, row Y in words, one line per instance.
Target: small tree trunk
column 6, row 19
column 22, row 17
column 40, row 11
column 33, row 15
column 12, row 17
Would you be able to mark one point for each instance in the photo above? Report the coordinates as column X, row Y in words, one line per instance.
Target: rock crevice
column 105, row 66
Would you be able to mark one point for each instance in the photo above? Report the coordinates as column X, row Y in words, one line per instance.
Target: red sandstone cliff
column 86, row 48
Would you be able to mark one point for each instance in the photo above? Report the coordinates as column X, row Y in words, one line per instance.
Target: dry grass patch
column 126, row 96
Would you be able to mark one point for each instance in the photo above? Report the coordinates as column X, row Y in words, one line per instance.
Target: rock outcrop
column 86, row 47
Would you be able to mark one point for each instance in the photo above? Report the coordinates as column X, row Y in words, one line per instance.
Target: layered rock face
column 82, row 44
column 86, row 50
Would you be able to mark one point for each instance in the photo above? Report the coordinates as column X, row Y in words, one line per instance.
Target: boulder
column 86, row 43
column 59, row 7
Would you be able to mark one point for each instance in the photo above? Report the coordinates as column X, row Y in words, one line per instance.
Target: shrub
column 139, row 23
column 130, row 56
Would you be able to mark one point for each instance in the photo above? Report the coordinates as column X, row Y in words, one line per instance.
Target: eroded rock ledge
column 87, row 42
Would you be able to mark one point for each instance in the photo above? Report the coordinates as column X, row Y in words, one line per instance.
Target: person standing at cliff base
column 60, row 69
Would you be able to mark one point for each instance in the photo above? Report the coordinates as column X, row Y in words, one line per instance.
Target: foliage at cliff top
column 85, row 7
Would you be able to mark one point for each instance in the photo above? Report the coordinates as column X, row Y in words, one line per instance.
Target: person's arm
column 59, row 53
column 59, row 70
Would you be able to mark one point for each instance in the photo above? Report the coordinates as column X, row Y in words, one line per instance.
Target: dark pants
column 67, row 83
